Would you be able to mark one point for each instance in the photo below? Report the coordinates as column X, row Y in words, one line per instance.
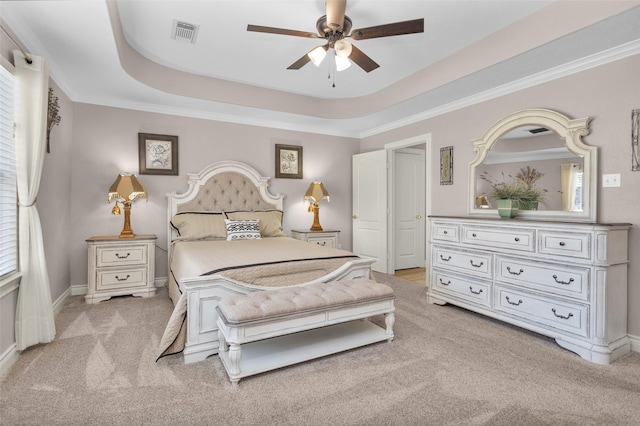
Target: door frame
column 390, row 148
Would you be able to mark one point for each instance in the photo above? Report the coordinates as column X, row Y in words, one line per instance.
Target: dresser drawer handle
column 123, row 279
column 561, row 316
column 443, row 283
column 513, row 303
column 517, row 239
column 562, row 243
column 123, row 257
column 475, row 292
column 555, row 277
column 476, row 265
column 474, row 235
column 514, row 273
column 447, row 259
column 445, row 232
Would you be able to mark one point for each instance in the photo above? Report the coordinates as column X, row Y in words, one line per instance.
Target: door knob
column 418, row 217
column 355, row 216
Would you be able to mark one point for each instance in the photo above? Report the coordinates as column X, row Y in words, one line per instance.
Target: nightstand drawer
column 110, row 279
column 122, row 255
column 326, row 242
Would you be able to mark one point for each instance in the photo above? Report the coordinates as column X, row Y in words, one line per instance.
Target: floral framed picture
column 446, row 165
column 157, row 154
column 288, row 161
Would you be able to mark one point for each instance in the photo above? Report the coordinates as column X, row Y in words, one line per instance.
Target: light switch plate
column 610, row 181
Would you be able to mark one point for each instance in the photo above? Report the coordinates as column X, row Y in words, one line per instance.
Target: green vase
column 529, row 205
column 507, row 209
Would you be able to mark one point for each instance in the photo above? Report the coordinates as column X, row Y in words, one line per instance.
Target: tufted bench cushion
column 270, row 304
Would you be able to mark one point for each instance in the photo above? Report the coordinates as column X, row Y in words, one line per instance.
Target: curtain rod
column 27, row 58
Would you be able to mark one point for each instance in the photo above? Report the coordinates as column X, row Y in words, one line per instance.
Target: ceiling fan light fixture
column 342, row 48
column 342, row 63
column 317, row 55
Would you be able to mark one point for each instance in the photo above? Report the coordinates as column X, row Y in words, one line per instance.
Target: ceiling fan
column 335, row 27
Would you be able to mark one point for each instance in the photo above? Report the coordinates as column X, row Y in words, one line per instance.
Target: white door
column 409, row 207
column 370, row 207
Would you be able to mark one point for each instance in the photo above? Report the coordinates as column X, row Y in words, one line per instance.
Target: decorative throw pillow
column 270, row 221
column 200, row 225
column 242, row 230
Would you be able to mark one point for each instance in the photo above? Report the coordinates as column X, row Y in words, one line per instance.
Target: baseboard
column 59, row 303
column 161, row 282
column 635, row 343
column 8, row 358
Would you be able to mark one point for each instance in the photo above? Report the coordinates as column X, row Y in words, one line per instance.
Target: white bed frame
column 204, row 292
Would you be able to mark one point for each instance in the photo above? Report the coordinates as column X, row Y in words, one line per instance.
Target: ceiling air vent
column 184, row 31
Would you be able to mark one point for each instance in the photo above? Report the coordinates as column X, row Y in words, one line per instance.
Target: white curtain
column 569, row 180
column 34, row 312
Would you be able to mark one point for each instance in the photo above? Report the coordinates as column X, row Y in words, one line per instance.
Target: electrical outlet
column 610, row 181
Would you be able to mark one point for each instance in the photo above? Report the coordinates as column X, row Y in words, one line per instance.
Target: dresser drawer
column 551, row 313
column 444, row 232
column 553, row 278
column 122, row 255
column 507, row 238
column 572, row 244
column 463, row 288
column 113, row 279
column 468, row 261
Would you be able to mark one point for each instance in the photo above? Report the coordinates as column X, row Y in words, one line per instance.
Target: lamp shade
column 317, row 55
column 343, row 48
column 316, row 192
column 127, row 187
column 342, row 63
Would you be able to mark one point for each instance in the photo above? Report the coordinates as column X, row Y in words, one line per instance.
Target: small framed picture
column 446, row 165
column 288, row 161
column 157, row 154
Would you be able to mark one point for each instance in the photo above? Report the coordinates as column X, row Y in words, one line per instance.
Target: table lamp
column 125, row 190
column 316, row 193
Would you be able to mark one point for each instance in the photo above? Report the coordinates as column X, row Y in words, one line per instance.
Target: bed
column 230, row 199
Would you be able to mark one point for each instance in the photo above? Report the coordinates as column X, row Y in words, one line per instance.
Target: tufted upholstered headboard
column 222, row 186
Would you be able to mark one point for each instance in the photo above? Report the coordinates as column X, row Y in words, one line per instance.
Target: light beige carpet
column 446, row 366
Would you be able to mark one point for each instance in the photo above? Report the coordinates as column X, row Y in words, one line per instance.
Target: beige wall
column 607, row 94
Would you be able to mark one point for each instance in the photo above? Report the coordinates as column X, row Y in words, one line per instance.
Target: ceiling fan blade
column 362, row 60
column 397, row 28
column 335, row 14
column 282, row 31
column 299, row 63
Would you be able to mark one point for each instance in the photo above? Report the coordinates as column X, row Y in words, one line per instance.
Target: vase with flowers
column 519, row 193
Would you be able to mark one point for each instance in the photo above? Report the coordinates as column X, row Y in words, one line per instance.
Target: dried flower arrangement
column 521, row 189
column 53, row 119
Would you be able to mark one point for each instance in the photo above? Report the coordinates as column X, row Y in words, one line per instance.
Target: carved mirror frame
column 569, row 130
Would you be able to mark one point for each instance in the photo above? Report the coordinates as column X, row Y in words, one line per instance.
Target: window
column 8, row 195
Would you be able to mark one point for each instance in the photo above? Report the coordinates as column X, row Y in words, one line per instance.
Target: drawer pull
column 474, row 265
column 123, row 279
column 517, row 239
column 561, row 316
column 443, row 283
column 123, row 257
column 475, row 292
column 321, row 243
column 514, row 273
column 445, row 232
column 447, row 259
column 555, row 277
column 513, row 303
column 562, row 244
column 474, row 235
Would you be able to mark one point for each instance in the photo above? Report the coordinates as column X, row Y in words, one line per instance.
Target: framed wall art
column 157, row 154
column 288, row 161
column 446, row 165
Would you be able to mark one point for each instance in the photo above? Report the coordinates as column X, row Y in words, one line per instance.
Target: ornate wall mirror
column 542, row 146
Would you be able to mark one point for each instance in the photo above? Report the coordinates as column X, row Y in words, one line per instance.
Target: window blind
column 8, row 196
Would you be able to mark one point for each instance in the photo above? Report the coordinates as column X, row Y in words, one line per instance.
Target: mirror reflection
column 537, row 158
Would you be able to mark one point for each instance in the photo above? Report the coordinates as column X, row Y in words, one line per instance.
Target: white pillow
column 242, row 230
column 270, row 221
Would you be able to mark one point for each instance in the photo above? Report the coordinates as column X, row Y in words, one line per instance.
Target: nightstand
column 120, row 266
column 327, row 238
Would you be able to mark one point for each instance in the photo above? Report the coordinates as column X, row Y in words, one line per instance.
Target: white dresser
column 561, row 279
column 120, row 266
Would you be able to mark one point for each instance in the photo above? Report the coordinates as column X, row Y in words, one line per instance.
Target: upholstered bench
column 269, row 329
